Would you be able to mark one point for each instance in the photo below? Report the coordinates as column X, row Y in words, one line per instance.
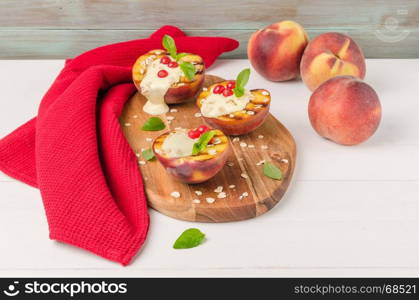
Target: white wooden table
column 350, row 211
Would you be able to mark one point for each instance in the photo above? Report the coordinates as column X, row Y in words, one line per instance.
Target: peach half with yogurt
column 222, row 109
column 165, row 77
column 175, row 151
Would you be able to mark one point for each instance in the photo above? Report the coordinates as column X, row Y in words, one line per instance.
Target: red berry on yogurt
column 231, row 85
column 194, row 134
column 202, row 129
column 173, row 64
column 162, row 73
column 165, row 60
column 218, row 89
column 227, row 92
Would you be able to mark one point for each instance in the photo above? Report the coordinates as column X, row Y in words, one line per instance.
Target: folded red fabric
column 74, row 151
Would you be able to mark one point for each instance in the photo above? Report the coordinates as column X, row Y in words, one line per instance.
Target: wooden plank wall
column 45, row 29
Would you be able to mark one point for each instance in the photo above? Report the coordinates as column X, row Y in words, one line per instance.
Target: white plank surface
column 350, row 211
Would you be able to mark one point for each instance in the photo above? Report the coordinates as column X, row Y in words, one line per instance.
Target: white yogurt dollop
column 178, row 144
column 216, row 105
column 154, row 88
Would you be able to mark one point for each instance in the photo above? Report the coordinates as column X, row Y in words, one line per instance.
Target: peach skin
column 328, row 55
column 275, row 51
column 345, row 110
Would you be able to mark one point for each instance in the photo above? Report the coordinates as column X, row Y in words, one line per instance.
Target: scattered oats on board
column 244, row 175
column 236, row 139
column 149, row 139
column 198, row 193
column 231, row 186
column 243, row 144
column 170, row 118
column 173, row 110
column 135, row 116
column 284, row 160
column 219, row 189
column 197, row 201
column 260, row 163
column 245, row 194
column 175, row 194
column 141, row 162
column 230, row 164
column 198, row 115
column 260, row 136
column 210, row 200
column 221, row 195
column 251, row 146
column 264, row 147
column 127, row 124
column 137, row 154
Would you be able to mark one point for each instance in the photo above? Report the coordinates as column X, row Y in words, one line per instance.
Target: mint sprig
column 170, row 46
column 203, row 141
column 271, row 171
column 241, row 82
column 190, row 238
column 188, row 69
column 153, row 124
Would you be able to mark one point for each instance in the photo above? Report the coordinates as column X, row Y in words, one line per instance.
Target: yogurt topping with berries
column 159, row 77
column 180, row 143
column 222, row 101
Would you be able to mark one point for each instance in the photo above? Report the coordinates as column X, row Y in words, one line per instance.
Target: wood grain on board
column 62, row 28
column 277, row 146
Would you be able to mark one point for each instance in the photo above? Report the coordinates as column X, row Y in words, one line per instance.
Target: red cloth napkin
column 76, row 154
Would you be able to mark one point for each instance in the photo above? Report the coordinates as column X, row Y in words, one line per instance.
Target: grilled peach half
column 195, row 168
column 179, row 92
column 243, row 121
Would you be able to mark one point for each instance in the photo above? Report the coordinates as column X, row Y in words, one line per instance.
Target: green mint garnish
column 147, row 154
column 188, row 69
column 153, row 124
column 190, row 238
column 203, row 141
column 170, row 46
column 271, row 171
column 241, row 82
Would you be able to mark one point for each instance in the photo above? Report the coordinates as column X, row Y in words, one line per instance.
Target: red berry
column 165, row 60
column 193, row 133
column 173, row 64
column 162, row 73
column 228, row 92
column 218, row 89
column 202, row 129
column 231, row 85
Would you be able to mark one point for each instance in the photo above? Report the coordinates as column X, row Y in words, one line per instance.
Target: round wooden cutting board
column 270, row 142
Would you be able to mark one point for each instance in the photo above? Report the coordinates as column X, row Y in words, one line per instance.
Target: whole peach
column 328, row 55
column 275, row 51
column 345, row 110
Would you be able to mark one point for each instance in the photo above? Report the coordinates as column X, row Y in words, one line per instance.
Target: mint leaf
column 241, row 82
column 188, row 69
column 190, row 238
column 203, row 141
column 153, row 124
column 169, row 45
column 147, row 154
column 271, row 171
